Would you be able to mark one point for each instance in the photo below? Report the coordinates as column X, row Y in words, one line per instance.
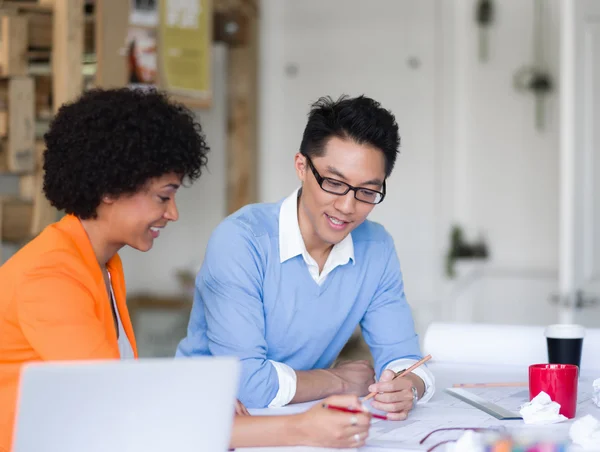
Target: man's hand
column 395, row 395
column 240, row 409
column 356, row 376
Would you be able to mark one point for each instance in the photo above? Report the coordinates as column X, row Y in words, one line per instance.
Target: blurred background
column 492, row 202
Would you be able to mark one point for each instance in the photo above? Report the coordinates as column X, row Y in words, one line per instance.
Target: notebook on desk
column 154, row 405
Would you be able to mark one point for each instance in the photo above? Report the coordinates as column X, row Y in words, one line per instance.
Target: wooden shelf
column 65, row 48
column 16, row 118
column 13, row 45
column 3, row 124
column 43, row 64
column 25, row 6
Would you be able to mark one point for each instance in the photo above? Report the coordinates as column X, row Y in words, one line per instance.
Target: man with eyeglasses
column 284, row 285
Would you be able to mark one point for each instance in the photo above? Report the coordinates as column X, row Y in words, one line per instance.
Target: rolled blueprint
column 511, row 345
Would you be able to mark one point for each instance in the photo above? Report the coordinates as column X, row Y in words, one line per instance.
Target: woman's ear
column 108, row 199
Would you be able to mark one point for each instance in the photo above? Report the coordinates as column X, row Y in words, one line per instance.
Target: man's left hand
column 240, row 409
column 395, row 395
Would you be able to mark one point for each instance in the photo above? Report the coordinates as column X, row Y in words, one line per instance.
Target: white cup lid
column 564, row 331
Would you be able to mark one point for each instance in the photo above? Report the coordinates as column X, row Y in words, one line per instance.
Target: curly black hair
column 113, row 141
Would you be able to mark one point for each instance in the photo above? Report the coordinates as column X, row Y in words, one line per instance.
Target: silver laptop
column 147, row 405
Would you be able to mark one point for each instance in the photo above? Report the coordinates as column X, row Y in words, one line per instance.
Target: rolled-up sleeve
column 287, row 385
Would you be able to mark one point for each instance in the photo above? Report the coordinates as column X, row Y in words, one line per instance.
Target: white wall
column 494, row 172
column 506, row 178
column 201, row 207
column 350, row 47
column 510, row 185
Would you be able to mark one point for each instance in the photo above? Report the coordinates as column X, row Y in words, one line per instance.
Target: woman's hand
column 323, row 427
column 240, row 409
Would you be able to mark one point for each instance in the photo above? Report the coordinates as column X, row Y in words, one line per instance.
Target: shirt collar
column 291, row 243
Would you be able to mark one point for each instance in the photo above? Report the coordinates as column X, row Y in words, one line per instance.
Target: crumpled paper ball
column 585, row 432
column 541, row 410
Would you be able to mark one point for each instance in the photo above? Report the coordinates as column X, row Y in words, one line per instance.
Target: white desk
column 446, row 375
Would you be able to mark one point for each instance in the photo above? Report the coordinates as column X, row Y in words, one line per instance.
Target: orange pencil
column 401, row 374
column 489, row 385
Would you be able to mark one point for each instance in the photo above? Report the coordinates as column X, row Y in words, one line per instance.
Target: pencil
column 401, row 374
column 489, row 385
column 353, row 410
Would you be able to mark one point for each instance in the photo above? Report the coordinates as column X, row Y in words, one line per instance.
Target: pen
column 401, row 374
column 353, row 410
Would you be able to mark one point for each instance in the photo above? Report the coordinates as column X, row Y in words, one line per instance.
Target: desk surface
column 446, row 375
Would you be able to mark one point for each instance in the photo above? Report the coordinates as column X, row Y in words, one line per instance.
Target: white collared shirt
column 291, row 245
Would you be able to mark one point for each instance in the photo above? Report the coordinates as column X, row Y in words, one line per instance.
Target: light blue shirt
column 250, row 304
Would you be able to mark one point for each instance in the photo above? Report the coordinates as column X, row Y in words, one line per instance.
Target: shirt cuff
column 423, row 372
column 287, row 385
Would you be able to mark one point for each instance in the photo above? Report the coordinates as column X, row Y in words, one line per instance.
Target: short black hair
column 113, row 141
column 360, row 119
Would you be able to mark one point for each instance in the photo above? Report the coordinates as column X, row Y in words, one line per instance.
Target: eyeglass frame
column 475, row 429
column 320, row 179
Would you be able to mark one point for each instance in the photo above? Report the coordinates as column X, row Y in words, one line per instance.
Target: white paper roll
column 590, row 357
column 486, row 344
column 510, row 345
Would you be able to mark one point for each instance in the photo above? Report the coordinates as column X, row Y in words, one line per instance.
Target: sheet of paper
column 511, row 398
column 585, row 403
column 585, row 390
column 294, row 449
column 445, row 411
column 442, row 406
column 408, row 434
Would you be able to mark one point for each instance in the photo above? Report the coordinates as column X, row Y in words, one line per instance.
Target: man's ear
column 301, row 166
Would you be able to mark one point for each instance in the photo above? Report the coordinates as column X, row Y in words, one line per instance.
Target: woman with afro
column 114, row 161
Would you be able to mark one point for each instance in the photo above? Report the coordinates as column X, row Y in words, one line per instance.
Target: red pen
column 353, row 410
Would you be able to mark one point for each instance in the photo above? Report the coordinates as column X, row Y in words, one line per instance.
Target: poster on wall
column 185, row 47
column 141, row 57
column 143, row 13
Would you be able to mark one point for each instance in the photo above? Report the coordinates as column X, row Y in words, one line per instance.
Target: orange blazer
column 54, row 306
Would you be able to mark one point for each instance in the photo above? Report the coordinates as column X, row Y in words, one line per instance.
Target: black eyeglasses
column 337, row 187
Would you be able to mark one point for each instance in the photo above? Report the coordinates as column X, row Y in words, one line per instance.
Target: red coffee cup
column 559, row 381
